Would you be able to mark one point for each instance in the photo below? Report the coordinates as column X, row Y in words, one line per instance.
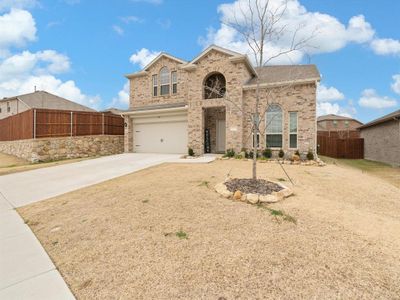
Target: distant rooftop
column 388, row 117
column 332, row 117
column 43, row 99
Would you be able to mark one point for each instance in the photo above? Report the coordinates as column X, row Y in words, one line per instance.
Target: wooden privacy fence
column 44, row 123
column 340, row 148
column 341, row 134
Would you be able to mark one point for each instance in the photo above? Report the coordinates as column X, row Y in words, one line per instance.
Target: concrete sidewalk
column 26, row 271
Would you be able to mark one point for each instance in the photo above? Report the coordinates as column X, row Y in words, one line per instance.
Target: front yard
column 11, row 164
column 163, row 233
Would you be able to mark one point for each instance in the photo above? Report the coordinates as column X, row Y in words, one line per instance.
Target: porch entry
column 214, row 130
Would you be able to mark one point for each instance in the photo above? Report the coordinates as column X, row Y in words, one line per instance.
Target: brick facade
column 237, row 105
column 382, row 142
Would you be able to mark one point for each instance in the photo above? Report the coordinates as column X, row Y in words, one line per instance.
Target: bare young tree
column 262, row 25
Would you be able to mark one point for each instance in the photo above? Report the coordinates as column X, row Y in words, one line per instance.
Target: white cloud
column 330, row 34
column 326, row 94
column 326, row 108
column 122, row 100
column 42, row 62
column 118, row 29
column 386, row 46
column 396, row 84
column 131, row 19
column 8, row 4
column 16, row 29
column 371, row 99
column 143, row 57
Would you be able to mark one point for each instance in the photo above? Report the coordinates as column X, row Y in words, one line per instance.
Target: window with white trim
column 274, row 127
column 155, row 85
column 174, row 82
column 164, row 81
column 8, row 107
column 258, row 139
column 293, row 129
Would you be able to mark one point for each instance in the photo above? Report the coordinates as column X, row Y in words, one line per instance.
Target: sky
column 81, row 49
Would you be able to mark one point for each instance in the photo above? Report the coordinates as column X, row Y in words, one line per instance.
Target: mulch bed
column 253, row 186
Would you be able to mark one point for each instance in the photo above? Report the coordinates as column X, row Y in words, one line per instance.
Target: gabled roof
column 235, row 56
column 159, row 56
column 43, row 99
column 285, row 74
column 332, row 117
column 163, row 54
column 392, row 116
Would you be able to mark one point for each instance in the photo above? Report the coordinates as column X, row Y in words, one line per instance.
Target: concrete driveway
column 26, row 271
column 27, row 187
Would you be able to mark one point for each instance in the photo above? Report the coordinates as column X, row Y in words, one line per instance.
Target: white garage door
column 161, row 134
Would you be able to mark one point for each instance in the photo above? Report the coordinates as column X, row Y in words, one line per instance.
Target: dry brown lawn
column 12, row 164
column 117, row 240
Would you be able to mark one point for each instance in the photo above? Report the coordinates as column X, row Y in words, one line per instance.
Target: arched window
column 274, row 127
column 214, row 86
column 164, row 81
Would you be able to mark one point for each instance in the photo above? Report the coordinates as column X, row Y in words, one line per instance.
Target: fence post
column 71, row 121
column 34, row 124
column 103, row 122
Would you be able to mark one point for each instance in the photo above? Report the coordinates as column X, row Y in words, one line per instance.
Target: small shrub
column 297, row 153
column 267, row 153
column 204, row 183
column 230, row 153
column 239, row 156
column 190, row 152
column 281, row 153
column 250, row 154
column 310, row 155
column 182, row 235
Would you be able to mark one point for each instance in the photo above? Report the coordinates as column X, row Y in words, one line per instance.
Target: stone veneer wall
column 46, row 149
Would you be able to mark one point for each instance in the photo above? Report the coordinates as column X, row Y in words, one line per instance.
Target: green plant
column 281, row 153
column 267, row 153
column 310, row 155
column 250, row 154
column 204, row 183
column 297, row 153
column 239, row 156
column 281, row 179
column 182, row 235
column 190, row 152
column 230, row 153
column 279, row 214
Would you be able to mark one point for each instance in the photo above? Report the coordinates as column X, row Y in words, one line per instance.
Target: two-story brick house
column 172, row 108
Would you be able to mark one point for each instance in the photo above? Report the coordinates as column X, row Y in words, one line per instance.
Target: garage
column 160, row 132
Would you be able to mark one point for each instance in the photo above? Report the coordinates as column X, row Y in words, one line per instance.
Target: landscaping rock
column 253, row 198
column 243, row 198
column 237, row 195
column 268, row 199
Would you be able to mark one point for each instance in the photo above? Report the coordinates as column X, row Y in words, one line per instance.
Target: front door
column 221, row 131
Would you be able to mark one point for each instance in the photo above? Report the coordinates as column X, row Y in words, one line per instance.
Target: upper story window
column 164, row 81
column 174, row 81
column 155, row 85
column 274, row 126
column 346, row 123
column 8, row 107
column 334, row 123
column 214, row 86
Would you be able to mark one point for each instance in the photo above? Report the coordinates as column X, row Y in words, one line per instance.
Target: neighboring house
column 113, row 110
column 40, row 99
column 172, row 109
column 382, row 139
column 344, row 127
